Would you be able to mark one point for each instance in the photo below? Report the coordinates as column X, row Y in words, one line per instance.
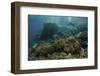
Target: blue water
column 35, row 24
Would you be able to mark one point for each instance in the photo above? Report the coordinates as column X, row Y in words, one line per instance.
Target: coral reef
column 55, row 42
column 62, row 48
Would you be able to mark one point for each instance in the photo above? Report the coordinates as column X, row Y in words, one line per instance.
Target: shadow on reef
column 55, row 44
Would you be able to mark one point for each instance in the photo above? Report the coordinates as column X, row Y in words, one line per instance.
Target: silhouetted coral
column 49, row 29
